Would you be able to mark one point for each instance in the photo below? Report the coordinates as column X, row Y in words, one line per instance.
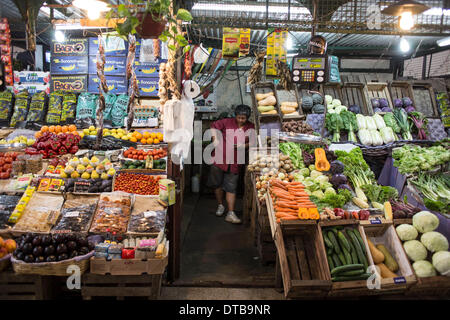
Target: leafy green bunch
column 356, row 168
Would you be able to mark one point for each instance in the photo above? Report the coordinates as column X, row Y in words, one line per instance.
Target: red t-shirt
column 235, row 136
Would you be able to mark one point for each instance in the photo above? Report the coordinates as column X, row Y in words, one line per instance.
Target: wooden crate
column 401, row 89
column 437, row 286
column 353, row 94
column 377, row 90
column 263, row 120
column 24, row 287
column 303, row 262
column 385, row 234
column 332, row 89
column 424, row 98
column 291, row 96
column 119, row 267
column 119, row 287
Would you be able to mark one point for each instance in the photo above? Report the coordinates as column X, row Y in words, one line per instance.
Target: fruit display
column 86, row 168
column 32, row 248
column 76, row 214
column 20, row 139
column 57, row 130
column 88, row 186
column 147, row 137
column 7, row 206
column 137, row 183
column 116, row 133
column 6, row 163
column 112, row 215
column 141, row 154
column 51, row 145
column 21, row 205
column 7, row 246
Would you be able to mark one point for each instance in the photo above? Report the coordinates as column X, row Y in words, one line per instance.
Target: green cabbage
column 425, row 221
column 424, row 269
column 441, row 262
column 415, row 250
column 434, row 241
column 406, row 232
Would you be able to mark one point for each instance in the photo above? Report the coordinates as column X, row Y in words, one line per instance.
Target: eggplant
column 46, row 240
column 345, row 186
column 73, row 254
column 36, row 241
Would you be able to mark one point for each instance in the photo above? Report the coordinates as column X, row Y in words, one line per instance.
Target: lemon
column 91, row 128
column 116, row 136
column 82, row 134
column 86, row 131
column 93, row 132
column 125, row 137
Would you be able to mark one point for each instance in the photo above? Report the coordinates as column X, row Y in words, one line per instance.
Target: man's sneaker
column 220, row 210
column 231, row 217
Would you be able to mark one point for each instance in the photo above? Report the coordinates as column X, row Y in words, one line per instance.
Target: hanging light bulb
column 93, row 14
column 404, row 45
column 59, row 36
column 406, row 21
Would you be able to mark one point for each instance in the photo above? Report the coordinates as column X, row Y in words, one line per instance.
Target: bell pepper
column 62, row 150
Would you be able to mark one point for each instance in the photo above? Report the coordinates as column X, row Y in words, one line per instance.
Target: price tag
column 149, row 214
column 399, row 280
column 375, row 221
column 72, row 214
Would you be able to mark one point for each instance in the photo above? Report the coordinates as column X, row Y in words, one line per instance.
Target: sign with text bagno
column 70, row 47
column 114, row 46
column 115, row 84
column 113, row 65
column 148, row 87
column 69, row 83
column 69, row 65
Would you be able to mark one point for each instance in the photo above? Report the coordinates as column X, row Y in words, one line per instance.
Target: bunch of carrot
column 291, row 202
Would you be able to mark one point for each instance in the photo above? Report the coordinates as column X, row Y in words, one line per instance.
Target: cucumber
column 342, row 258
column 346, row 268
column 351, row 273
column 339, row 227
column 330, row 262
column 347, row 256
column 360, row 240
column 361, row 257
column 336, row 260
column 352, row 248
column 343, row 242
column 327, row 241
column 332, row 229
column 333, row 240
column 363, row 276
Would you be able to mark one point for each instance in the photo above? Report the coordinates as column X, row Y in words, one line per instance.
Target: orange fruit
column 38, row 134
column 150, row 141
column 44, row 128
column 146, row 135
column 72, row 128
column 10, row 245
column 2, row 242
column 159, row 135
column 75, row 133
column 58, row 128
column 156, row 141
column 133, row 139
column 138, row 135
column 64, row 129
column 51, row 128
column 143, row 141
column 153, row 135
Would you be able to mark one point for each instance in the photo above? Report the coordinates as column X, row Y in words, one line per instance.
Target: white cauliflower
column 434, row 241
column 424, row 269
column 406, row 232
column 415, row 250
column 441, row 262
column 425, row 221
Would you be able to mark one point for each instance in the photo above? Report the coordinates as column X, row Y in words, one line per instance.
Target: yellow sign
column 275, row 50
column 244, row 43
column 230, row 42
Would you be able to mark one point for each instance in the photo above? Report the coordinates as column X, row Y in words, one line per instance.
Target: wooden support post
column 174, row 212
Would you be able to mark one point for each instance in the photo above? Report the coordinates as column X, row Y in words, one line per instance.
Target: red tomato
column 2, row 161
column 8, row 160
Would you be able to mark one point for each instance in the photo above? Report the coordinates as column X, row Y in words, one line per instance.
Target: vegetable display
column 334, row 124
column 401, row 117
column 299, row 126
column 346, row 254
column 349, row 122
column 412, row 159
column 436, row 191
column 294, row 152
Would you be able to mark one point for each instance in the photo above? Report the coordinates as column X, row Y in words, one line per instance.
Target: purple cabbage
column 376, row 110
column 338, row 179
column 345, row 186
column 407, row 101
column 386, row 109
column 398, row 103
column 354, row 108
column 375, row 102
column 336, row 167
column 409, row 109
column 383, row 103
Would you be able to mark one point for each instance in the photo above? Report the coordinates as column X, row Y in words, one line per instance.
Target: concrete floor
column 197, row 293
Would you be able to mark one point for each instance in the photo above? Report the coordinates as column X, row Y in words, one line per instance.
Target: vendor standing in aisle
column 224, row 174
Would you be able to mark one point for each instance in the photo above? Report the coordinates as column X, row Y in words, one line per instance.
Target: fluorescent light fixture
column 289, row 43
column 404, row 45
column 248, row 8
column 406, row 21
column 443, row 42
column 59, row 36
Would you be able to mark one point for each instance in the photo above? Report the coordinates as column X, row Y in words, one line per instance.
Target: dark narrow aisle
column 215, row 252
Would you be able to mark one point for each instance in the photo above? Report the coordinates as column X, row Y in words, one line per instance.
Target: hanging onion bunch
column 284, row 74
column 256, row 70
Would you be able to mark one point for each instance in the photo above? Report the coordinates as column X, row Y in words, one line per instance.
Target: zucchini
column 342, row 258
column 360, row 240
column 336, row 260
column 351, row 273
column 343, row 242
column 361, row 257
column 346, row 268
column 363, row 276
column 332, row 229
column 333, row 240
column 330, row 262
column 327, row 241
column 347, row 256
column 353, row 250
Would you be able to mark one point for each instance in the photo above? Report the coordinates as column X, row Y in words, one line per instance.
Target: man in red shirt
column 232, row 137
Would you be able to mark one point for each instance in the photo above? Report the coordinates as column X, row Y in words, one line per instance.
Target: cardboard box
column 113, row 65
column 146, row 69
column 69, row 65
column 70, row 47
column 31, row 87
column 115, row 84
column 34, row 77
column 115, row 46
column 69, row 83
column 148, row 87
column 128, row 266
column 167, row 191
